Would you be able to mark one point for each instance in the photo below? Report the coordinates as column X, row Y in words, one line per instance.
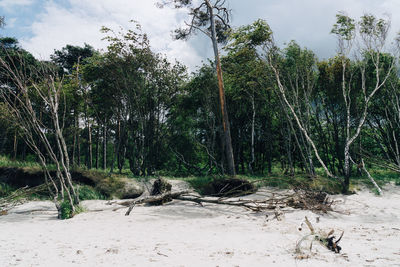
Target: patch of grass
column 6, row 162
column 108, row 186
column 87, row 192
column 6, row 189
column 66, row 210
column 198, row 183
column 381, row 177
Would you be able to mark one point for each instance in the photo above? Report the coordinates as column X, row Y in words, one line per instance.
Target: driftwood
column 151, row 199
column 310, row 200
column 327, row 240
column 18, row 197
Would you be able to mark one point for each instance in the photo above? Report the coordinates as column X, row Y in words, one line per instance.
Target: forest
column 256, row 157
column 254, row 110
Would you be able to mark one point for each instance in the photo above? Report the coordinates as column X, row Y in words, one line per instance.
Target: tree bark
column 225, row 119
column 104, row 146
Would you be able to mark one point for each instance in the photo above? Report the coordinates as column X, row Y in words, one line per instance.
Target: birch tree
column 371, row 45
column 32, row 94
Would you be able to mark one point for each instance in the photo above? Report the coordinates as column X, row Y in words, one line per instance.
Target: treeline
column 129, row 107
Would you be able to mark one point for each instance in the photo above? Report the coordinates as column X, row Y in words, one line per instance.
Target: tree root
column 310, row 200
column 327, row 240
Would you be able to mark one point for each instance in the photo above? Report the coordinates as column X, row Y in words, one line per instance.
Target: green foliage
column 154, row 118
column 66, row 210
column 250, row 36
column 109, row 185
column 86, row 192
column 371, row 26
column 5, row 190
column 344, row 27
column 7, row 162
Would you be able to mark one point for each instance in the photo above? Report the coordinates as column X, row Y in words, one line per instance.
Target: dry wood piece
column 314, row 201
column 327, row 240
column 279, row 214
column 18, row 197
column 151, row 199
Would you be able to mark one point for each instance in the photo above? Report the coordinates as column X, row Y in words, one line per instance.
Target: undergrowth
column 66, row 210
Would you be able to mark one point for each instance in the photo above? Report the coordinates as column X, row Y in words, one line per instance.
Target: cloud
column 80, row 23
column 9, row 4
column 309, row 21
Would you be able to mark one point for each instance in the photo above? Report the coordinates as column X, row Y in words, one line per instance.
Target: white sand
column 185, row 234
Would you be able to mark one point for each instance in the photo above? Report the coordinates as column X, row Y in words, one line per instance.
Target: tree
column 246, row 79
column 2, row 21
column 212, row 19
column 32, row 94
column 70, row 59
column 373, row 33
column 140, row 87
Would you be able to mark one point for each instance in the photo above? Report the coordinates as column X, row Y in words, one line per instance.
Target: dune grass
column 110, row 182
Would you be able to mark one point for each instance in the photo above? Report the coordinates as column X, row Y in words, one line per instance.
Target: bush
column 87, row 192
column 66, row 210
column 5, row 189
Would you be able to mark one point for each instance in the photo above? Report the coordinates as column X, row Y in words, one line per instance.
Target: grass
column 108, row 184
column 6, row 189
column 6, row 162
column 87, row 192
column 66, row 210
column 320, row 183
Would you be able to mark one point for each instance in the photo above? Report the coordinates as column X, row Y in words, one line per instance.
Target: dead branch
column 18, row 197
column 326, row 240
column 152, row 199
column 314, row 201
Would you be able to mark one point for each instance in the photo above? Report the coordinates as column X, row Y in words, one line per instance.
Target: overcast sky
column 44, row 25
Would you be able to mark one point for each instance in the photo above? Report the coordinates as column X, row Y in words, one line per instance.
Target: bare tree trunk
column 75, row 138
column 104, row 146
column 15, row 145
column 97, row 146
column 35, row 130
column 90, row 161
column 299, row 124
column 78, row 146
column 224, row 111
column 253, row 120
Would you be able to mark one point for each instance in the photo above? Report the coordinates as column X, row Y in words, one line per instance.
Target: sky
column 42, row 26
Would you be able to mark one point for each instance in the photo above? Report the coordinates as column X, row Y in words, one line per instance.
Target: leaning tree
column 32, row 94
column 211, row 18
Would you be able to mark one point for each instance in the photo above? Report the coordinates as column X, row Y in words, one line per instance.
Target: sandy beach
column 186, row 234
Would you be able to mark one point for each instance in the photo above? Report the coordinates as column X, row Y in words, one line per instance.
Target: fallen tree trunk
column 18, row 197
column 300, row 200
column 152, row 199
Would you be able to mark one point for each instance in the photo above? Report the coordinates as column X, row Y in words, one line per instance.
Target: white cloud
column 58, row 26
column 8, row 4
column 308, row 22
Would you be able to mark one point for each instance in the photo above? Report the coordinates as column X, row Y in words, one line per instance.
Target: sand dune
column 185, row 234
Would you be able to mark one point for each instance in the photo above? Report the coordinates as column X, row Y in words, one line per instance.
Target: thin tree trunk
column 90, row 150
column 224, row 111
column 15, row 145
column 104, row 146
column 97, row 147
column 253, row 120
column 75, row 139
column 78, row 145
